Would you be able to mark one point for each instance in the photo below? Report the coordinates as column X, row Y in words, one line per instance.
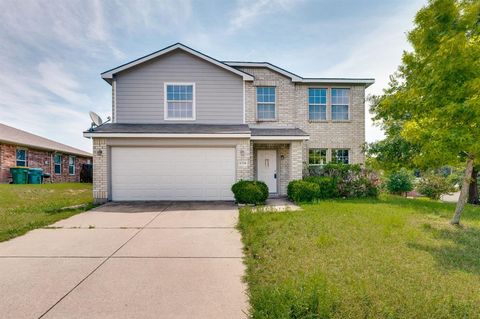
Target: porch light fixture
column 282, row 157
column 99, row 152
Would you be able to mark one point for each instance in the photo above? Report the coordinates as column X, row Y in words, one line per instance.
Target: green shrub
column 302, row 191
column 250, row 192
column 361, row 187
column 328, row 186
column 399, row 182
column 433, row 186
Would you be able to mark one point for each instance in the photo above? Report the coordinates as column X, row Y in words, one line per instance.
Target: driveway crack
column 104, row 261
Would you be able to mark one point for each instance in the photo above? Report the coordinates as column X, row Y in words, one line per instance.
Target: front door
column 267, row 168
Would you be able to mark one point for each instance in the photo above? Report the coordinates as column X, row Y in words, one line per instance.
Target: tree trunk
column 473, row 191
column 463, row 192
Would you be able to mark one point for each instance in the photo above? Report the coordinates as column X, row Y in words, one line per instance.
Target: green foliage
column 327, row 185
column 250, row 192
column 434, row 94
column 301, row 191
column 360, row 187
column 399, row 182
column 433, row 186
column 344, row 180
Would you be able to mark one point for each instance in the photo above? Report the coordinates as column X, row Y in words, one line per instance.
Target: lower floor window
column 21, row 157
column 340, row 156
column 58, row 164
column 317, row 156
column 71, row 165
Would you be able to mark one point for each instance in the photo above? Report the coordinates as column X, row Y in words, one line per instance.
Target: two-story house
column 186, row 126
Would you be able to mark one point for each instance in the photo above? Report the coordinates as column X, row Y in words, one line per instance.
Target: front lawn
column 386, row 258
column 26, row 207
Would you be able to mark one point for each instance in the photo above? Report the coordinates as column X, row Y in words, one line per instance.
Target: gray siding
column 140, row 96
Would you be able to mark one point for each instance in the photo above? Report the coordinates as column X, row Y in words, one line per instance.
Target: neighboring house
column 186, row 126
column 20, row 148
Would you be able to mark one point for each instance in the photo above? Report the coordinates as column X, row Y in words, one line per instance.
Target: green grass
column 26, row 207
column 385, row 258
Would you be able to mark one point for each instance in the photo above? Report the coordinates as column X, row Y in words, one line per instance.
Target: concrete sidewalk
column 129, row 260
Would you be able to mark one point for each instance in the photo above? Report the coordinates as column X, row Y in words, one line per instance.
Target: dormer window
column 179, row 101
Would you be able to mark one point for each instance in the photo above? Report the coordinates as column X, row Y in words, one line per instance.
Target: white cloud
column 54, row 78
column 248, row 11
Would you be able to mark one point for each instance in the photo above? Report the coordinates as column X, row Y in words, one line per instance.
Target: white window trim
column 334, row 159
column 55, row 164
column 275, row 104
column 26, row 155
column 165, row 105
column 74, row 170
column 321, row 149
column 326, row 103
column 349, row 103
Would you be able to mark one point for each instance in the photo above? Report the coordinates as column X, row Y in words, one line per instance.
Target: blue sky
column 52, row 52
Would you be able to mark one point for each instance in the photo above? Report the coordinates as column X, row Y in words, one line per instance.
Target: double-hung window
column 340, row 156
column 317, row 156
column 58, row 164
column 21, row 156
column 340, row 104
column 179, row 101
column 266, row 103
column 71, row 165
column 317, row 104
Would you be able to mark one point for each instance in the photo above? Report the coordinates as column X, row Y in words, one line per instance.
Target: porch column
column 100, row 170
column 296, row 160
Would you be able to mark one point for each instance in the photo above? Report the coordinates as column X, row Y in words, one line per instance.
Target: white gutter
column 163, row 135
column 280, row 137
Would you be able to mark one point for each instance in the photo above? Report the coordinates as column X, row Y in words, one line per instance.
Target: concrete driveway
column 128, row 260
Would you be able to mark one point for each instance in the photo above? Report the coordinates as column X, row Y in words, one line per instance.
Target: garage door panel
column 149, row 173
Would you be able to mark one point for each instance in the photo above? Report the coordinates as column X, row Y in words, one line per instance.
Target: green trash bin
column 35, row 176
column 19, row 175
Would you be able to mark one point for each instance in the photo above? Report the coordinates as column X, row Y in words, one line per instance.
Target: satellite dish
column 97, row 120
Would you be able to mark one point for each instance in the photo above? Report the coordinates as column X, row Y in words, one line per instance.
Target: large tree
column 435, row 94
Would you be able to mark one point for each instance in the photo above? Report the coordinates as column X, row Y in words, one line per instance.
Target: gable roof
column 108, row 75
column 15, row 136
column 297, row 78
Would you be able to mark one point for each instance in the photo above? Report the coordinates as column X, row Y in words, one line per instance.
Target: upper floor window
column 71, row 165
column 21, row 157
column 180, row 101
column 317, row 104
column 340, row 104
column 58, row 164
column 340, row 156
column 317, row 156
column 266, row 103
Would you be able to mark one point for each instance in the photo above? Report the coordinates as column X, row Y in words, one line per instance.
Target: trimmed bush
column 328, row 186
column 433, row 186
column 399, row 182
column 302, row 191
column 250, row 192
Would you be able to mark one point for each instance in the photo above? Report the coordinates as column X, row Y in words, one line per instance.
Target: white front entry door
column 267, row 168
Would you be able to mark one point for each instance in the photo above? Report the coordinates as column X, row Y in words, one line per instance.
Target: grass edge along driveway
column 27, row 207
column 385, row 258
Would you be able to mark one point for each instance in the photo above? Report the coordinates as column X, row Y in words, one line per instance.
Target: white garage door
column 163, row 173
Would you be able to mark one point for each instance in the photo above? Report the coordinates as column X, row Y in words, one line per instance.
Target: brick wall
column 292, row 111
column 100, row 170
column 38, row 159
